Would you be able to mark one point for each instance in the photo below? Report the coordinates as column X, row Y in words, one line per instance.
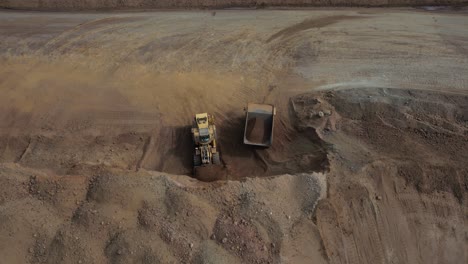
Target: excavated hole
column 292, row 152
column 170, row 150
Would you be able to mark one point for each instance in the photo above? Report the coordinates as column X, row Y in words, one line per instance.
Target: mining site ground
column 368, row 163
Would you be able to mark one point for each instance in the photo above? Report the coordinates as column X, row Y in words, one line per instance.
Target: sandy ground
column 95, row 118
column 73, row 5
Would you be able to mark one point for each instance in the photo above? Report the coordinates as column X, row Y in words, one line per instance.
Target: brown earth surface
column 368, row 163
column 141, row 4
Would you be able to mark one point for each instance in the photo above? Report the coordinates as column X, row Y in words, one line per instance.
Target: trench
column 169, row 149
column 296, row 147
column 292, row 151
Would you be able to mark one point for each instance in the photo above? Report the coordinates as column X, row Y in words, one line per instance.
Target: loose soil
column 259, row 129
column 368, row 162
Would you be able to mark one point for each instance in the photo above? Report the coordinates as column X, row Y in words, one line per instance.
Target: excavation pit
column 292, row 152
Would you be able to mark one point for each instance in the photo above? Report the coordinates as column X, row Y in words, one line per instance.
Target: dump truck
column 259, row 124
column 204, row 138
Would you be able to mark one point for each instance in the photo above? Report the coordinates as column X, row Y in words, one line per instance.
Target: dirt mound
column 402, row 156
column 147, row 217
column 426, row 129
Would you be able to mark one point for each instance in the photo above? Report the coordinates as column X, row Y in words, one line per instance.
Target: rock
column 191, row 245
column 224, row 240
column 31, row 250
column 378, row 197
column 213, row 236
column 119, row 252
column 327, row 112
column 321, row 114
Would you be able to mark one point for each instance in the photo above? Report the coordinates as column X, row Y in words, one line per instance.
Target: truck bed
column 259, row 125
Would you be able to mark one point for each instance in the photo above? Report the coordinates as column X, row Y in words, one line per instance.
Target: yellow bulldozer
column 204, row 137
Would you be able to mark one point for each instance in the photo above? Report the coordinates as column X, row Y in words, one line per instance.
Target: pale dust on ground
column 95, row 122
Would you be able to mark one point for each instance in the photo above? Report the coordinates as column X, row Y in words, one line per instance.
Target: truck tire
column 197, row 160
column 216, row 158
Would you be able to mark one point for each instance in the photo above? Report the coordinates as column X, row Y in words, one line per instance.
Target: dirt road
column 71, row 5
column 94, row 123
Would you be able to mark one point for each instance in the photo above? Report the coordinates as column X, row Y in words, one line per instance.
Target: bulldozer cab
column 202, row 120
column 204, row 129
